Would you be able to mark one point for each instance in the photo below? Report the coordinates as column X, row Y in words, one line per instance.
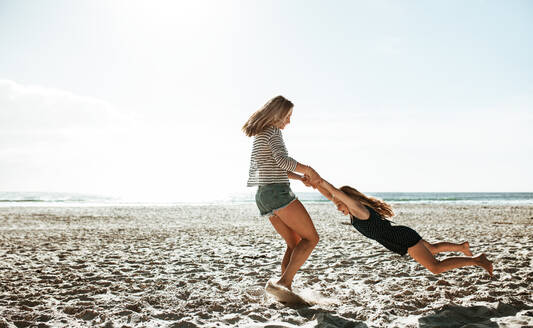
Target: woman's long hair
column 383, row 209
column 271, row 113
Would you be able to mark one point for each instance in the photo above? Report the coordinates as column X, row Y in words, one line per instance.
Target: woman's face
column 341, row 207
column 285, row 121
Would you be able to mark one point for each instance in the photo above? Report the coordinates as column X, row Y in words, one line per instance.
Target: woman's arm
column 295, row 176
column 279, row 153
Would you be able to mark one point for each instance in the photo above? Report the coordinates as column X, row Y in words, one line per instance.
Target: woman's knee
column 314, row 239
column 296, row 218
column 293, row 242
column 311, row 238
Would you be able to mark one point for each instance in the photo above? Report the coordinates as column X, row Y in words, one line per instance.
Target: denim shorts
column 273, row 197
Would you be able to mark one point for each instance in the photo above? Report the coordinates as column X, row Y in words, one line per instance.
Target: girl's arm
column 335, row 193
column 355, row 208
column 324, row 192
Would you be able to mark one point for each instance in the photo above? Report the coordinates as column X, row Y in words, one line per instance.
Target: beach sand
column 188, row 266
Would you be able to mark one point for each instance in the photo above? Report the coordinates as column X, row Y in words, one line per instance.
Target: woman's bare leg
column 295, row 217
column 291, row 238
column 448, row 247
column 422, row 255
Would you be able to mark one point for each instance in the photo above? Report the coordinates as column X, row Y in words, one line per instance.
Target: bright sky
column 145, row 99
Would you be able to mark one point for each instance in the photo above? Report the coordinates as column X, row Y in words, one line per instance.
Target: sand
column 206, row 266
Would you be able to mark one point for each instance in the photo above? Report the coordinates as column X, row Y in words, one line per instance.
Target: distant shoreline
column 73, row 199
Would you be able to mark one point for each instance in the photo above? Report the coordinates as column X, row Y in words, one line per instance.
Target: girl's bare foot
column 466, row 249
column 485, row 263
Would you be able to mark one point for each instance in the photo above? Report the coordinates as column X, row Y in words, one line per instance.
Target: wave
column 420, row 197
column 50, row 197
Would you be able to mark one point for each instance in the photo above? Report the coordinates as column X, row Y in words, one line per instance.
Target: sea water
column 70, row 199
column 423, row 197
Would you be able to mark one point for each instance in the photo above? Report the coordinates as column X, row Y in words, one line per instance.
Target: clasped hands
column 311, row 179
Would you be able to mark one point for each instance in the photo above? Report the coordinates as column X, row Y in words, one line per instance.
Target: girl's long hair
column 383, row 209
column 272, row 112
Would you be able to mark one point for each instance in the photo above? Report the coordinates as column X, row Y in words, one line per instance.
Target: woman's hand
column 304, row 178
column 310, row 175
column 313, row 177
column 307, row 182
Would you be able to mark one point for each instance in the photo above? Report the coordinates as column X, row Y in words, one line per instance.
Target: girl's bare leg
column 291, row 238
column 448, row 247
column 422, row 255
column 296, row 218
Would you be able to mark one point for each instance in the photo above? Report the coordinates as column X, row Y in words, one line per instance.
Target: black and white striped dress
column 270, row 160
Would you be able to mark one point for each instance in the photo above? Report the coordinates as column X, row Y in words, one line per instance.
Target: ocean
column 443, row 197
column 67, row 199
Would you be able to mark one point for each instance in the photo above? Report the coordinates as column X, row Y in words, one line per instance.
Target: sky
column 145, row 100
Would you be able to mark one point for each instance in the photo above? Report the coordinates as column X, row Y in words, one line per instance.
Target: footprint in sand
column 284, row 295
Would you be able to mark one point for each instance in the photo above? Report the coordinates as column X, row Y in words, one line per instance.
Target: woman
column 270, row 170
column 368, row 215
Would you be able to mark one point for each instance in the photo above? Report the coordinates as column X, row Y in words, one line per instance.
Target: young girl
column 368, row 215
column 270, row 170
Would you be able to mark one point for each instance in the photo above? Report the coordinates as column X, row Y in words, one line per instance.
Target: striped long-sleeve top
column 270, row 160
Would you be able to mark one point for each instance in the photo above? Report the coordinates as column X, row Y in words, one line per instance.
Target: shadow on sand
column 326, row 319
column 448, row 316
column 455, row 316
